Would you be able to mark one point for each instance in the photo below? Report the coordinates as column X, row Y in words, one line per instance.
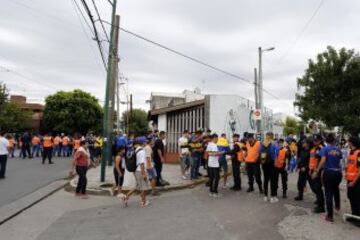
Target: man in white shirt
column 140, row 173
column 150, row 169
column 184, row 152
column 213, row 165
column 4, row 152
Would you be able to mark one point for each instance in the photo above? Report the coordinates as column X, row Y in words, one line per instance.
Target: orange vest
column 252, row 152
column 280, row 161
column 47, row 142
column 352, row 169
column 11, row 143
column 35, row 141
column 57, row 140
column 77, row 144
column 313, row 161
column 240, row 154
column 65, row 140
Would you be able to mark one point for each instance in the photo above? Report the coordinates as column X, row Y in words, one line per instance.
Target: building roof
column 177, row 107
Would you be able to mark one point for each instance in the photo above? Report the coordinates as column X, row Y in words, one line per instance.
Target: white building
column 227, row 114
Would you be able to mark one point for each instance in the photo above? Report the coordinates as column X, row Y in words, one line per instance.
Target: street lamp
column 260, row 89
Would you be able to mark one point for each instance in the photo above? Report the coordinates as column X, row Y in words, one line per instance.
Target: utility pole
column 118, row 105
column 256, row 88
column 260, row 92
column 108, row 123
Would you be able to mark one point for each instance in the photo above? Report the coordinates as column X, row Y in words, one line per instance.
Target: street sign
column 257, row 114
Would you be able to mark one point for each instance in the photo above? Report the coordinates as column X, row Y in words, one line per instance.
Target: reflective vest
column 47, row 142
column 314, row 161
column 240, row 154
column 65, row 140
column 77, row 144
column 280, row 161
column 252, row 152
column 352, row 169
column 57, row 140
column 35, row 141
column 11, row 143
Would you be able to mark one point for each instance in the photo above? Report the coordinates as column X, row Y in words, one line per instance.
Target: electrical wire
column 301, row 32
column 101, row 23
column 199, row 62
column 87, row 9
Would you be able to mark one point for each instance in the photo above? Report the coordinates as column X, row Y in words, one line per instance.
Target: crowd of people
column 321, row 163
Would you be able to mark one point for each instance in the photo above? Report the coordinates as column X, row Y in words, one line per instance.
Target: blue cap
column 141, row 140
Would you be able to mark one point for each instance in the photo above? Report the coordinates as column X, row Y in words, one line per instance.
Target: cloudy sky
column 49, row 48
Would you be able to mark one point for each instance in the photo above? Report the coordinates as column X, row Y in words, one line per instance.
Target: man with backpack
column 269, row 151
column 135, row 163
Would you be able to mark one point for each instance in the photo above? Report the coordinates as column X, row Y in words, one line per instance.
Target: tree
column 330, row 90
column 72, row 112
column 12, row 118
column 138, row 122
column 291, row 126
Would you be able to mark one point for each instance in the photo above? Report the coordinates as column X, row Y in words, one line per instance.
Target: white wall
column 226, row 109
column 162, row 122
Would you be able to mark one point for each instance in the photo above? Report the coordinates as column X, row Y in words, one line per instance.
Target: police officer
column 237, row 157
column 352, row 176
column 330, row 164
column 252, row 162
column 303, row 166
column 316, row 184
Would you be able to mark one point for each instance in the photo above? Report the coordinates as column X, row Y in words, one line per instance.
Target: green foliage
column 72, row 112
column 330, row 90
column 291, row 126
column 138, row 122
column 13, row 119
column 4, row 94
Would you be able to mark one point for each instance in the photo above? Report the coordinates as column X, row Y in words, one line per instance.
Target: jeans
column 253, row 171
column 195, row 165
column 57, row 150
column 353, row 194
column 36, row 150
column 65, row 151
column 332, row 180
column 82, row 182
column 3, row 160
column 214, row 176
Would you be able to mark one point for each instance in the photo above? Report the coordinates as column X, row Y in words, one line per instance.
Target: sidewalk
column 170, row 173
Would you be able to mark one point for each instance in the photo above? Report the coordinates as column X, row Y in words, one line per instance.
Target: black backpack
column 130, row 160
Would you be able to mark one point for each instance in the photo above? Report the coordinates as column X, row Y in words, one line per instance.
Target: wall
column 231, row 113
column 162, row 122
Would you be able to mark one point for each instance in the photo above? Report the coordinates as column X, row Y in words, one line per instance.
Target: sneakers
column 274, row 200
column 266, row 199
column 217, row 195
column 234, row 188
column 224, row 186
column 145, row 204
column 184, row 177
column 328, row 219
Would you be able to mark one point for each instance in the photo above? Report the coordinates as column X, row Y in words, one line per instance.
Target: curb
column 15, row 208
column 105, row 191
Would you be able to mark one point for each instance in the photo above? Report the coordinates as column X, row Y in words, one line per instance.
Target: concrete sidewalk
column 170, row 173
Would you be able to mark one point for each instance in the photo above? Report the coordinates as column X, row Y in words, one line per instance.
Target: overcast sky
column 44, row 41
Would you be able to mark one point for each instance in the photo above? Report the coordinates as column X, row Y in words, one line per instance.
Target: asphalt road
column 24, row 176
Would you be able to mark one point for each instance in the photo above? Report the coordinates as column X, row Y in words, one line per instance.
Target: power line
column 302, row 31
column 197, row 61
column 99, row 18
column 87, row 9
column 83, row 16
